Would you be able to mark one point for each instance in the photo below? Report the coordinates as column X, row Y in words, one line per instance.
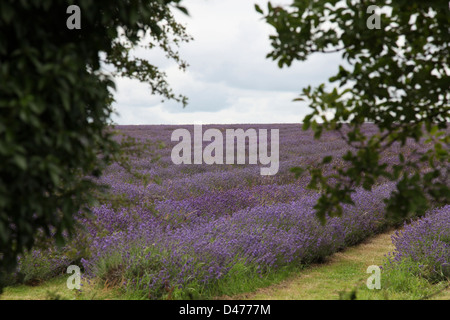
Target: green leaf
column 183, row 9
column 6, row 12
column 20, row 161
column 297, row 170
column 327, row 159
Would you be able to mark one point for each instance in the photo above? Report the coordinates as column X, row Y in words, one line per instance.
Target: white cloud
column 229, row 79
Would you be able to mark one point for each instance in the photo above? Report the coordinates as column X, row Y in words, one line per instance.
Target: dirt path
column 343, row 271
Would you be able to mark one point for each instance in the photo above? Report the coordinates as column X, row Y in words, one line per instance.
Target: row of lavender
column 424, row 245
column 205, row 223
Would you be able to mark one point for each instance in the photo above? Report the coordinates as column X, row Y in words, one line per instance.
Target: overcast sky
column 229, row 80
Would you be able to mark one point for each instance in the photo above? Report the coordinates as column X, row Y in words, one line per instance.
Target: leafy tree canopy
column 55, row 103
column 396, row 76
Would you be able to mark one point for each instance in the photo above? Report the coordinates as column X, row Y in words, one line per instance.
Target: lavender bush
column 424, row 244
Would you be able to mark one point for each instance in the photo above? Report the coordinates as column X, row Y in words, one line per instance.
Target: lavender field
column 182, row 231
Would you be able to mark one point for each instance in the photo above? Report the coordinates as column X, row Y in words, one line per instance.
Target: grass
column 241, row 279
column 56, row 289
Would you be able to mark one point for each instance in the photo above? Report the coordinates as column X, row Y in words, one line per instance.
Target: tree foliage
column 396, row 77
column 56, row 103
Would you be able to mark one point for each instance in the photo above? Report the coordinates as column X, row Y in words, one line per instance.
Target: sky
column 229, row 80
